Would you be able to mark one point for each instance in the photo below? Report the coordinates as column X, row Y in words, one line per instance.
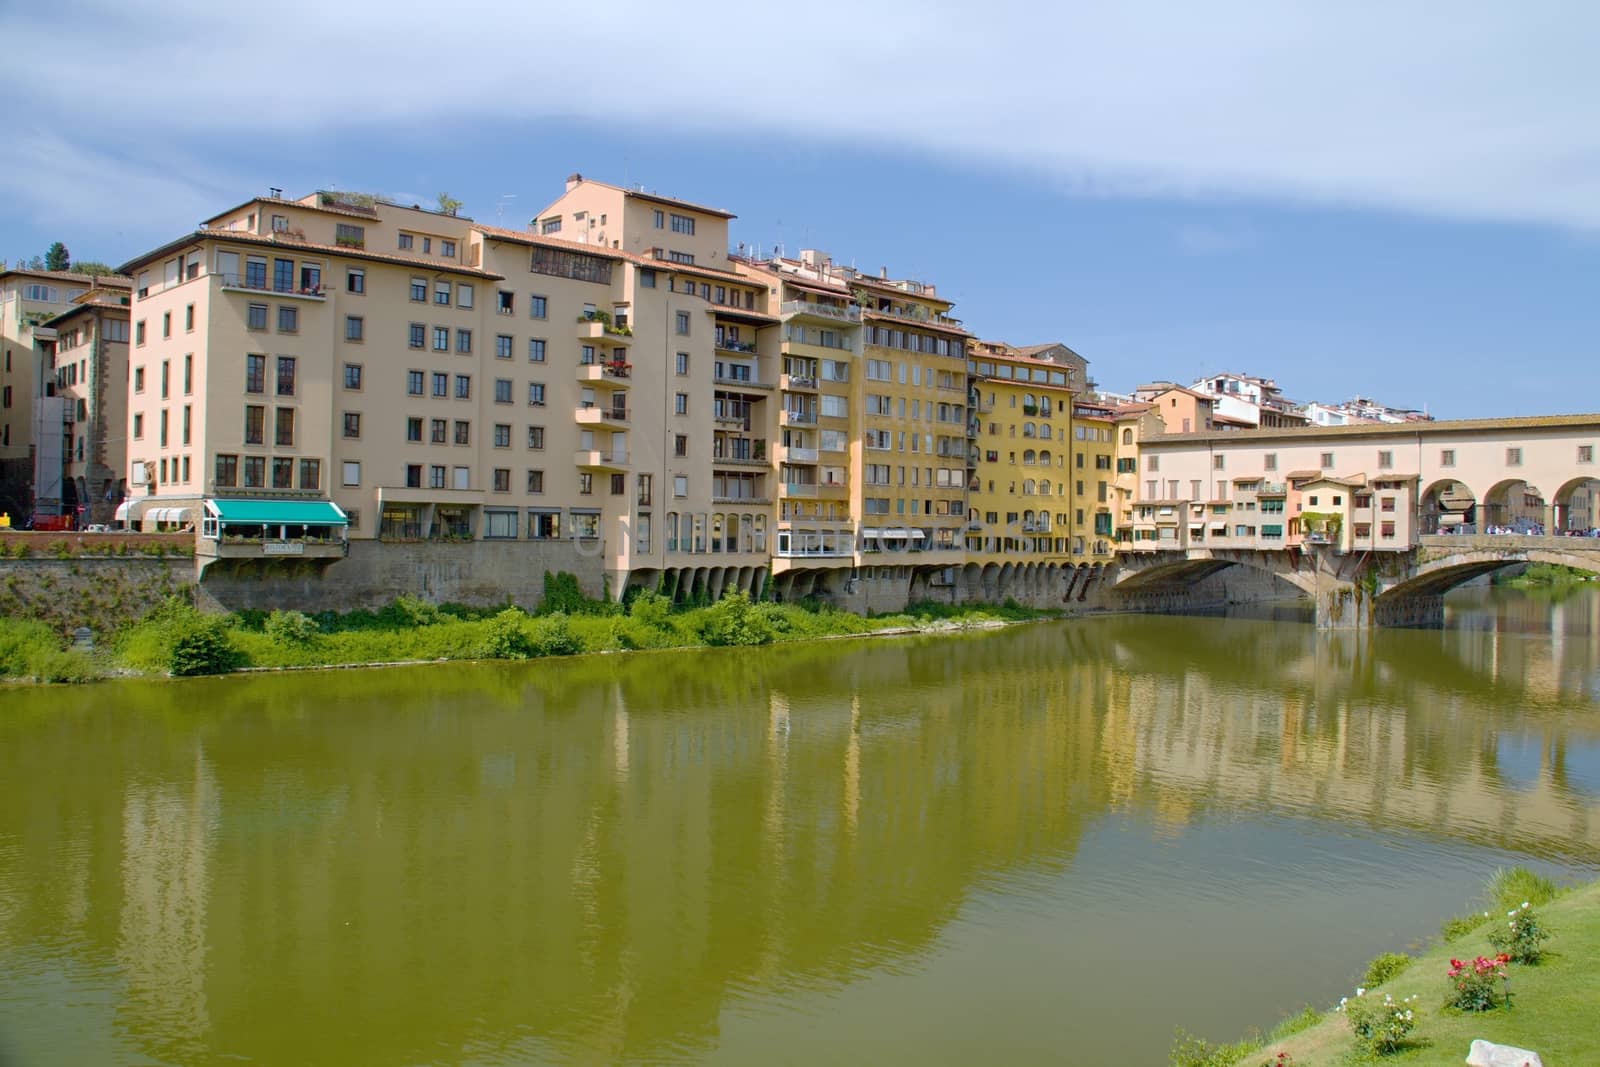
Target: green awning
column 276, row 512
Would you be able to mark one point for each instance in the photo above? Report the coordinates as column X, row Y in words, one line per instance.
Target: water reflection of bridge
column 607, row 872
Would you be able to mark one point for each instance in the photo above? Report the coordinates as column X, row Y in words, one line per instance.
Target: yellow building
column 1020, row 505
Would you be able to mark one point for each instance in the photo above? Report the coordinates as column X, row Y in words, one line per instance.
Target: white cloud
column 1477, row 111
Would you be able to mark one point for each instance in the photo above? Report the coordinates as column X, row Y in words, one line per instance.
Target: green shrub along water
column 179, row 641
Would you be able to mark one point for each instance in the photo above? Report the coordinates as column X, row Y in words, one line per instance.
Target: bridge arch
column 1576, row 505
column 1136, row 575
column 1448, row 504
column 1437, row 576
column 1515, row 503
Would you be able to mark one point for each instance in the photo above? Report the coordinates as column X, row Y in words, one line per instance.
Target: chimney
column 883, row 273
column 815, row 259
column 572, row 180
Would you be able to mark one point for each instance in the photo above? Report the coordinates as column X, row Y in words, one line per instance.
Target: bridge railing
column 1484, row 542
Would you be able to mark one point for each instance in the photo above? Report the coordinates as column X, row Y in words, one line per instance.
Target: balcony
column 609, row 373
column 1273, row 489
column 731, row 417
column 786, row 417
column 799, row 489
column 756, row 461
column 850, row 314
column 609, row 460
column 602, row 415
column 740, row 501
column 794, row 382
column 800, row 455
column 741, row 383
column 747, row 348
column 597, row 326
column 243, row 284
column 231, row 547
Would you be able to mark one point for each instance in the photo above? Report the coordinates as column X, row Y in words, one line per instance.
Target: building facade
column 84, row 354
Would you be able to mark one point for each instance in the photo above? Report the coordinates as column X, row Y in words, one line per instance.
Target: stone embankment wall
column 479, row 573
column 100, row 592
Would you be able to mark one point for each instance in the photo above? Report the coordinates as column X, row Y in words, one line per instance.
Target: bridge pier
column 1346, row 606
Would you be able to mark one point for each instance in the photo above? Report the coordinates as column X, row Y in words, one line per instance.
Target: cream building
column 84, row 354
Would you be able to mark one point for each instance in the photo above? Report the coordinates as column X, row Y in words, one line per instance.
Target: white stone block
column 1488, row 1054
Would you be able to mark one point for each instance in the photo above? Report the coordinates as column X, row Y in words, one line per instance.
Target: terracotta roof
column 527, row 238
column 1302, row 434
column 114, row 280
column 328, row 209
column 266, row 241
column 919, row 323
column 1129, row 410
column 1295, row 476
column 640, row 194
column 83, row 308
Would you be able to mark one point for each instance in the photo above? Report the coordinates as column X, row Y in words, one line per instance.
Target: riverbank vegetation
column 180, row 641
column 1544, row 1004
column 1543, row 575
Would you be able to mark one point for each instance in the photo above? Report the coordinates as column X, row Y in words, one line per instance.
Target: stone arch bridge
column 1360, row 589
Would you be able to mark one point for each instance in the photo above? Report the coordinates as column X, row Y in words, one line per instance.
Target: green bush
column 733, row 620
column 504, row 636
column 22, row 640
column 650, row 609
column 1510, row 886
column 410, row 611
column 200, row 646
column 1191, row 1051
column 1458, row 926
column 551, row 635
column 67, row 665
column 1381, row 1025
column 562, row 595
column 290, row 628
column 1472, row 982
column 1385, row 967
column 1522, row 937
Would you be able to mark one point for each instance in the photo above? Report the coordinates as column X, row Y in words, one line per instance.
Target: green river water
column 1053, row 843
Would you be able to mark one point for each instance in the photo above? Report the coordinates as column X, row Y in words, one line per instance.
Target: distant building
column 1248, row 402
column 1182, row 410
column 80, row 441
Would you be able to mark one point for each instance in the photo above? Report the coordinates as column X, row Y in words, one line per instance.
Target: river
column 1052, row 843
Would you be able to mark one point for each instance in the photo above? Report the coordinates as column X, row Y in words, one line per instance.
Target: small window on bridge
column 1447, row 457
column 1586, row 453
column 1327, row 461
column 1385, row 460
column 1513, row 457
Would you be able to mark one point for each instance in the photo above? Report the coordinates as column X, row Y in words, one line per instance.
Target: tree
column 57, row 257
column 448, row 204
column 91, row 266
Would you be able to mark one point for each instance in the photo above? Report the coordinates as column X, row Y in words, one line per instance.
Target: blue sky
column 1360, row 199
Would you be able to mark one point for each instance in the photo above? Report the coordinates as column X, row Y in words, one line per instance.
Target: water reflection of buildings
column 593, row 872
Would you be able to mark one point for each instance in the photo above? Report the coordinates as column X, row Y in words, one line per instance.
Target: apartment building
column 1020, row 504
column 80, row 453
column 28, row 298
column 1094, row 452
column 1181, row 410
column 1247, row 401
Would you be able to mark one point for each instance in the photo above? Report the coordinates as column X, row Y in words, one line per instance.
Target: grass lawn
column 1557, row 1012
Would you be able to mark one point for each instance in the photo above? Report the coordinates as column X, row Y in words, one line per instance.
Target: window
column 414, row 429
column 407, row 242
column 1586, row 453
column 349, row 235
column 1269, row 461
column 1513, row 457
column 355, row 280
column 536, row 481
column 1327, row 461
column 441, row 384
column 283, row 427
column 463, row 432
column 535, row 350
column 683, row 224
column 441, row 338
column 536, row 307
column 414, row 383
column 683, row 363
column 138, row 426
column 658, row 219
column 138, row 379
column 417, row 335
column 680, row 485
column 413, row 475
column 255, row 424
column 647, row 278
column 535, row 436
column 138, row 331
column 585, row 484
column 680, row 444
column 619, row 484
column 1386, row 503
column 1385, row 460
column 255, row 272
column 463, row 387
column 286, row 376
column 464, row 341
column 166, row 378
column 226, row 471
column 680, row 403
column 255, row 472
column 1217, row 462
column 502, row 481
column 311, row 474
column 1152, row 463
column 352, row 424
column 502, row 346
column 441, row 293
column 684, row 258
column 536, row 394
column 440, row 431
column 255, row 375
column 1386, row 529
column 502, row 390
column 419, row 288
column 166, row 324
column 550, row 225
column 354, row 328
column 502, row 435
column 683, row 323
column 1447, row 457
column 506, row 302
column 188, row 374
column 436, row 477
column 288, row 319
column 188, row 318
column 463, row 291
column 352, row 376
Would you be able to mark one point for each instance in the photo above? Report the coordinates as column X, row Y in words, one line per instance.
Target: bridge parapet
column 1435, row 545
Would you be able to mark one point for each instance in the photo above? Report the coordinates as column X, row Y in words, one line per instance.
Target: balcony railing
column 796, row 381
column 806, row 489
column 608, row 458
column 590, row 412
column 265, row 285
column 736, row 346
column 850, row 313
column 798, row 418
column 800, row 455
column 741, row 383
